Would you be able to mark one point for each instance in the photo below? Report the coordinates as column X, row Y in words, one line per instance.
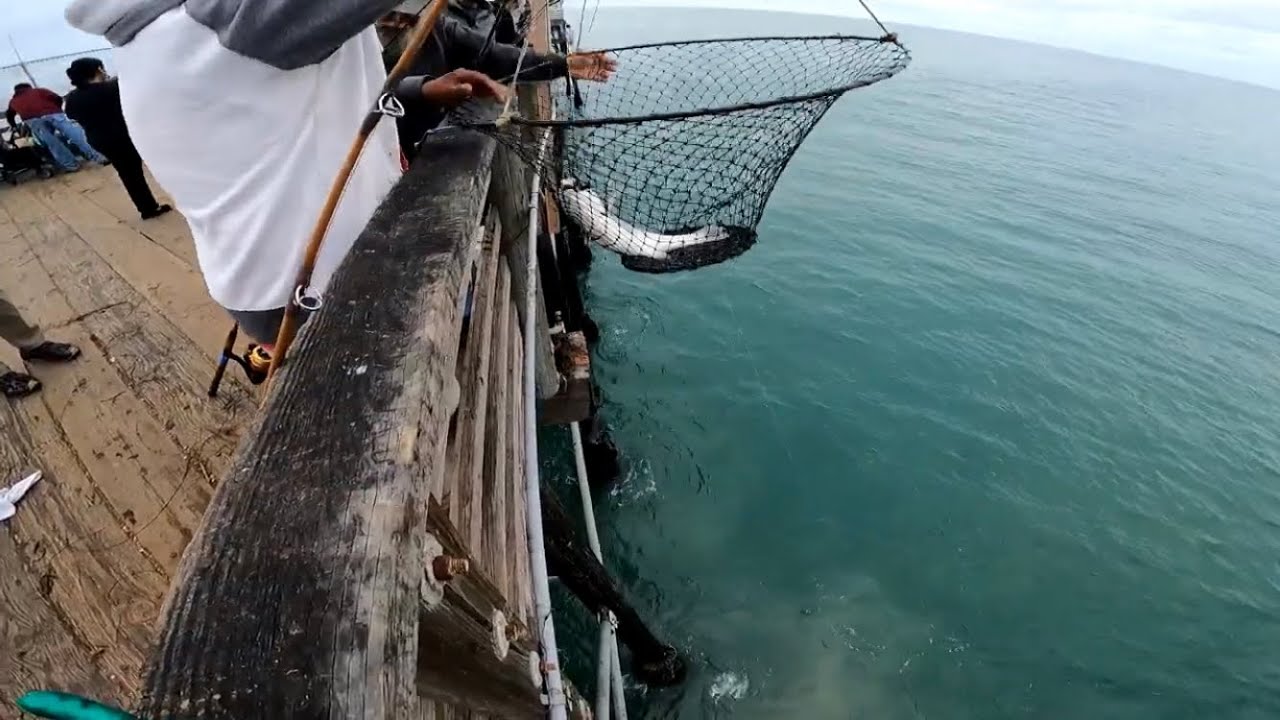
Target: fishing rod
column 257, row 364
column 381, row 106
column 22, row 63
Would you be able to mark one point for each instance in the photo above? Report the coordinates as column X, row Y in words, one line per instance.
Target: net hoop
column 725, row 109
column 672, row 163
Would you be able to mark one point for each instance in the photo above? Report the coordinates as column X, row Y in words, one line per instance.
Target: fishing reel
column 255, row 362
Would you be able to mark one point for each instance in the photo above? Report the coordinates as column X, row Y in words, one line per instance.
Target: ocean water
column 986, row 426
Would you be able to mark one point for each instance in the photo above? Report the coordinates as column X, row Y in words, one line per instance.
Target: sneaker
column 160, row 210
column 16, row 385
column 51, row 352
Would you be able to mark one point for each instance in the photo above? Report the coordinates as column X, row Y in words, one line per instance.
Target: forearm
column 409, row 89
column 474, row 50
column 501, row 64
column 541, row 68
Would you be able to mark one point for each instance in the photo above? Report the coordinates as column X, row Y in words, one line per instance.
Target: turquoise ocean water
column 987, row 425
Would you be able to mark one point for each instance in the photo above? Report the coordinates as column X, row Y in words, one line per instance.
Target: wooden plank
column 550, row 213
column 305, row 582
column 459, row 627
column 93, row 572
column 142, row 473
column 39, row 652
column 89, row 566
column 482, row 595
column 494, row 501
column 517, row 536
column 520, row 588
column 463, row 496
column 170, row 283
column 446, row 490
column 103, row 189
column 25, row 282
column 153, row 357
column 510, row 192
column 540, row 40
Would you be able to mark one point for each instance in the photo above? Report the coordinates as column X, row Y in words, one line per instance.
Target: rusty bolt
column 516, row 632
column 446, row 567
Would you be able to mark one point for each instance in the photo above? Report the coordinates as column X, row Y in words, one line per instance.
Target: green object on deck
column 65, row 706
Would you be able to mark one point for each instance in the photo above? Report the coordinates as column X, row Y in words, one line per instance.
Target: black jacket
column 96, row 107
column 452, row 46
column 483, row 16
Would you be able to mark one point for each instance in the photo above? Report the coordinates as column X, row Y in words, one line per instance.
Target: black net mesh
column 671, row 163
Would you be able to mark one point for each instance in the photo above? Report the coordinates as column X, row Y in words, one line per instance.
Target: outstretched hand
column 459, row 86
column 593, row 66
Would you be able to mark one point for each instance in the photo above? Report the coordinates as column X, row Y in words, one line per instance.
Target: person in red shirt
column 41, row 110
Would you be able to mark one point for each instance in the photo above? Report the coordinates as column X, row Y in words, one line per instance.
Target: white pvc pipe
column 604, row 676
column 619, row 697
column 604, row 653
column 608, row 653
column 556, row 705
column 584, row 490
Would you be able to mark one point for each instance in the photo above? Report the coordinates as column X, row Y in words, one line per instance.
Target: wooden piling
column 571, row 560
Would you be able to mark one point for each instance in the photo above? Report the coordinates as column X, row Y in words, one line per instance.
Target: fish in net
column 672, row 163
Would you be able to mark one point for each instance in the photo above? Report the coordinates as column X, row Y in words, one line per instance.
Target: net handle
column 515, row 119
column 686, row 114
column 754, row 38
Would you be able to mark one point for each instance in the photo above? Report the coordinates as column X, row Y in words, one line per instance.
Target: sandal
column 16, row 385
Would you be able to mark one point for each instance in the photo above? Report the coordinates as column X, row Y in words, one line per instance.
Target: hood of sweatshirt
column 116, row 20
column 286, row 34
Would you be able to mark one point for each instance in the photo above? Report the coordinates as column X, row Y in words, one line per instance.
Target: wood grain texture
column 301, row 595
column 520, row 591
column 104, row 190
column 99, row 536
column 169, row 282
column 115, row 437
column 67, row 544
column 158, row 361
column 460, row 628
column 39, row 650
column 468, row 442
column 497, row 426
column 511, row 186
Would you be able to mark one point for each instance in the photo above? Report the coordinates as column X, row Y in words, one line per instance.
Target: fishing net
column 672, row 162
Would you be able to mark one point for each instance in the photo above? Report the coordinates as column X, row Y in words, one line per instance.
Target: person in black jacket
column 95, row 104
column 453, row 45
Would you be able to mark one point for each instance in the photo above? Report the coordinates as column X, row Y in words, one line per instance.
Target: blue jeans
column 46, row 130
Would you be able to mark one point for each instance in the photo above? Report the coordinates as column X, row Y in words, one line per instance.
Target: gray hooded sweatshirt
column 243, row 110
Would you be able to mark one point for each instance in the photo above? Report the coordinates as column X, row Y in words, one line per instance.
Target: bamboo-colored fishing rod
column 289, row 325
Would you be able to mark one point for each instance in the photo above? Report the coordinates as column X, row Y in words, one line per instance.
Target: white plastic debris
column 10, row 496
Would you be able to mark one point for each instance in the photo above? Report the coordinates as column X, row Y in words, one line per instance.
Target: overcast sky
column 1231, row 38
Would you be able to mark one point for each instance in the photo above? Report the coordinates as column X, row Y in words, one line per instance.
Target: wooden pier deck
column 359, row 547
column 130, row 446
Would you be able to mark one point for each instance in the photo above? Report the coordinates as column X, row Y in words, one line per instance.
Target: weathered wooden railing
column 366, row 557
